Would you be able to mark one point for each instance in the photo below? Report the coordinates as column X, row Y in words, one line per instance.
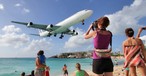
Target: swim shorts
column 39, row 72
column 65, row 72
column 102, row 65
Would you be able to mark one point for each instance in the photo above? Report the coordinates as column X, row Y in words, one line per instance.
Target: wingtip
column 13, row 21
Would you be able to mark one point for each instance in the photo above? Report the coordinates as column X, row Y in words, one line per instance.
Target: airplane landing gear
column 83, row 22
column 61, row 36
column 55, row 35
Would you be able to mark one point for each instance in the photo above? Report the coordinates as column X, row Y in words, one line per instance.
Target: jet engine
column 29, row 24
column 74, row 32
column 49, row 26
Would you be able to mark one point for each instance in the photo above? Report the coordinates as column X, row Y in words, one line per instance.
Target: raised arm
column 89, row 34
column 143, row 49
column 139, row 31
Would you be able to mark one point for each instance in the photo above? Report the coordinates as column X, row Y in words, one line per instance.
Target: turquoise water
column 15, row 66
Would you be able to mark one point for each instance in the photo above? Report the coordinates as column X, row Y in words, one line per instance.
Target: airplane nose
column 90, row 11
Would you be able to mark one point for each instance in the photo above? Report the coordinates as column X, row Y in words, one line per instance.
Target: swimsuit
column 80, row 73
column 102, row 64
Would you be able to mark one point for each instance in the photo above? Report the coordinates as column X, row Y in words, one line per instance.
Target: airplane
column 61, row 27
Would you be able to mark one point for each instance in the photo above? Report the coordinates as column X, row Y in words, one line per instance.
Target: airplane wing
column 38, row 26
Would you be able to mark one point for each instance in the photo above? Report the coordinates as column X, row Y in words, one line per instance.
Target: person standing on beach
column 79, row 71
column 102, row 63
column 40, row 64
column 65, row 70
column 133, row 50
column 138, row 35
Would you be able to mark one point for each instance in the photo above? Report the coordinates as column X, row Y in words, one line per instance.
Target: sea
column 15, row 66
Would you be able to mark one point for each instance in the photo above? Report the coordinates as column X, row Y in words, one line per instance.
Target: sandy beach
column 117, row 71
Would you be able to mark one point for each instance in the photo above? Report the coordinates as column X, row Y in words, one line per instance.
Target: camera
column 144, row 28
column 94, row 25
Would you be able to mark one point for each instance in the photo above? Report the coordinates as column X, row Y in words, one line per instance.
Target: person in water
column 102, row 63
column 133, row 52
column 79, row 71
column 65, row 70
column 40, row 64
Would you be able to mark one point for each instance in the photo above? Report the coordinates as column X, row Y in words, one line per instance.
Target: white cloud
column 18, row 5
column 23, row 9
column 127, row 17
column 26, row 10
column 1, row 7
column 11, row 38
column 36, row 45
column 143, row 38
column 17, row 44
column 78, row 41
column 11, row 29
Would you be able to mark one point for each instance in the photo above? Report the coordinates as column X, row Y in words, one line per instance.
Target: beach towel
column 132, row 56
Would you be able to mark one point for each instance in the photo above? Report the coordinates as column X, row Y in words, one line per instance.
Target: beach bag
column 103, row 52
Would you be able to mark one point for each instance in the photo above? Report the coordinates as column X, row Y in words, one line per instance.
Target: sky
column 16, row 41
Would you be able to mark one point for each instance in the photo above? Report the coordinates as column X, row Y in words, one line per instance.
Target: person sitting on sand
column 79, row 71
column 133, row 50
column 32, row 73
column 23, row 74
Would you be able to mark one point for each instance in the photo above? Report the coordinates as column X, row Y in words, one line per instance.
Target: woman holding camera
column 102, row 38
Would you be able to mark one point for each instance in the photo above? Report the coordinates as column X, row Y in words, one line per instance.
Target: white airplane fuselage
column 61, row 27
column 74, row 19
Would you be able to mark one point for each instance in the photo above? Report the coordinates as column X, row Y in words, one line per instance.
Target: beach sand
column 117, row 71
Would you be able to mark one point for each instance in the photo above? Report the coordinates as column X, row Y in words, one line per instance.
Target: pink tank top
column 101, row 42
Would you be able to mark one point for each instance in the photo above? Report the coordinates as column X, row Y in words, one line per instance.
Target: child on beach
column 47, row 69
